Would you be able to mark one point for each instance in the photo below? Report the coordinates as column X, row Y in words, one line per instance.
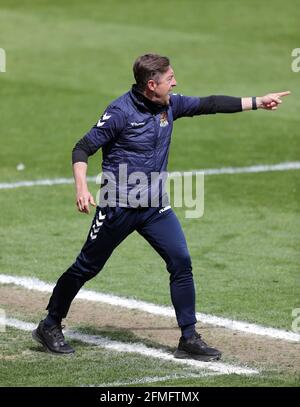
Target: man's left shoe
column 196, row 348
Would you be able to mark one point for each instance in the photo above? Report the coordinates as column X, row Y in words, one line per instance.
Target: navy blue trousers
column 160, row 227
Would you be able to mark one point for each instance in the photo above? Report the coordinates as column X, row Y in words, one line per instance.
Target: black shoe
column 196, row 348
column 52, row 338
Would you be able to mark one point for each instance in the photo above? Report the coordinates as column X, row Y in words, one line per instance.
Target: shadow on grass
column 125, row 335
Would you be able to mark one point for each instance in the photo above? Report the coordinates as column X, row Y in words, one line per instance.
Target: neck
column 155, row 99
column 150, row 95
column 152, row 104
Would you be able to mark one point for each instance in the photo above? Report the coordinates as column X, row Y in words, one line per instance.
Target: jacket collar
column 144, row 103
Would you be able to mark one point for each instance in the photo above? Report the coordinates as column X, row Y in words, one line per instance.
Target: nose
column 174, row 82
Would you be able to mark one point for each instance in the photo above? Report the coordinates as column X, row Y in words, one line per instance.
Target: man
column 134, row 132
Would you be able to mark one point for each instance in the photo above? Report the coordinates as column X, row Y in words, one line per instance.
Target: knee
column 82, row 271
column 180, row 263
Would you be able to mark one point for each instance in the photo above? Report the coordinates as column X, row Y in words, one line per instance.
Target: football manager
column 135, row 132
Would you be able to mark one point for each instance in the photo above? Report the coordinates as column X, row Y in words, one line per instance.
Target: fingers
column 286, row 93
column 92, row 202
column 79, row 204
column 270, row 103
column 275, row 99
column 83, row 203
column 86, row 207
column 272, row 100
column 276, row 96
column 274, row 103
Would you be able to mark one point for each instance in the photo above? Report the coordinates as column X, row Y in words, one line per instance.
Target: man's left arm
column 230, row 104
column 188, row 106
column 271, row 101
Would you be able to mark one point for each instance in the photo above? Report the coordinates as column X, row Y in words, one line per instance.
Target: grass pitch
column 65, row 63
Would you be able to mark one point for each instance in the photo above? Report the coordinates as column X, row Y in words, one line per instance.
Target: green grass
column 65, row 62
column 24, row 363
column 245, row 256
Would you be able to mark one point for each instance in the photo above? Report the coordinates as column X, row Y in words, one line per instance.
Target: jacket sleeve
column 108, row 127
column 220, row 104
column 183, row 106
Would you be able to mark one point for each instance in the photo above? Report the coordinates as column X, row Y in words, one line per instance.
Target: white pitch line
column 294, row 165
column 141, row 349
column 89, row 295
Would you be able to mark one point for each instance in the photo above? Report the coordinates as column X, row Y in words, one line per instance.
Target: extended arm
column 229, row 104
column 188, row 106
column 271, row 101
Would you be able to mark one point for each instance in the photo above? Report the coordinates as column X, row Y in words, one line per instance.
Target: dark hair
column 149, row 66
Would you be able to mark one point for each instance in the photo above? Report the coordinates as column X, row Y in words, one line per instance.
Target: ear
column 151, row 84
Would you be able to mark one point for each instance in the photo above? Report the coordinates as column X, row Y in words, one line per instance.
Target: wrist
column 81, row 188
column 258, row 102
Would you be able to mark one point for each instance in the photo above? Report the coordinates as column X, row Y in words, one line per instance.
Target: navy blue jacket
column 137, row 132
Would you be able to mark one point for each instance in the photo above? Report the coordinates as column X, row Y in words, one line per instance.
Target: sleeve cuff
column 79, row 156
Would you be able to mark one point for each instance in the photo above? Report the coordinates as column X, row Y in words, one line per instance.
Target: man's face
column 163, row 86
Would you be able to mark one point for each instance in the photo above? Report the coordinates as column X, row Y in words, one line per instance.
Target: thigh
column 109, row 228
column 164, row 233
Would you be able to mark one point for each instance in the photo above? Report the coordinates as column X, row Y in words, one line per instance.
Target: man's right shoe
column 52, row 339
column 196, row 348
